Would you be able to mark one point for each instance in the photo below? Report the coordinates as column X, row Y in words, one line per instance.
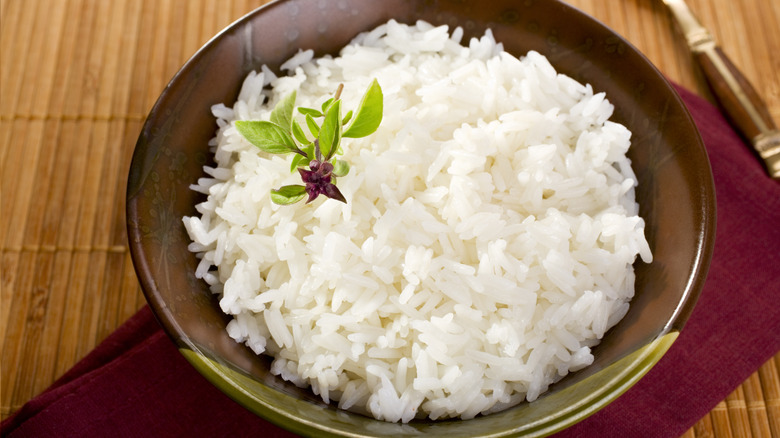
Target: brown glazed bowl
column 675, row 192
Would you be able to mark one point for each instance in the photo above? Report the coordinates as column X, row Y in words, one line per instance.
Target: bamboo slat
column 721, row 425
column 738, row 416
column 758, row 418
column 77, row 78
column 769, row 375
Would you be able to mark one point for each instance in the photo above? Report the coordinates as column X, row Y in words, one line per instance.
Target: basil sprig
column 314, row 157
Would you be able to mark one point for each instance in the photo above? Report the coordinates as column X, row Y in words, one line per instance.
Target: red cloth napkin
column 136, row 383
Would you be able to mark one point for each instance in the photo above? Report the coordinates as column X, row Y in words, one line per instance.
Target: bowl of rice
column 521, row 239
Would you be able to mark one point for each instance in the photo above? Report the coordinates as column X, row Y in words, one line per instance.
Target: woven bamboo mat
column 79, row 76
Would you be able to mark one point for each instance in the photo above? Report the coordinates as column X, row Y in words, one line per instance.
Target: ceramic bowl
column 675, row 192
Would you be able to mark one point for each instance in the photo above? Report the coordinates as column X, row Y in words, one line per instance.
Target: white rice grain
column 487, row 243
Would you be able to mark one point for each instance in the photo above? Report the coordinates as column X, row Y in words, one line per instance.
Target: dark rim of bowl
column 705, row 240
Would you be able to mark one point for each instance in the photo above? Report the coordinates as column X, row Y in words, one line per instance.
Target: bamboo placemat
column 79, row 76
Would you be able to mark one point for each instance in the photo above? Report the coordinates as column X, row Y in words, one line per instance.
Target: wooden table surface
column 78, row 78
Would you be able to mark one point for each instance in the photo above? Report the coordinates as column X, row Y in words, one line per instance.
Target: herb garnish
column 282, row 134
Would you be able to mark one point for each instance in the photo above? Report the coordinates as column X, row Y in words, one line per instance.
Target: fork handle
column 741, row 103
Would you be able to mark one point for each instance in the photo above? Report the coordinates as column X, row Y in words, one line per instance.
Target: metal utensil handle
column 743, row 106
column 739, row 100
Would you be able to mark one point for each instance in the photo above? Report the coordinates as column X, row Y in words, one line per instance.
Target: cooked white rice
column 486, row 246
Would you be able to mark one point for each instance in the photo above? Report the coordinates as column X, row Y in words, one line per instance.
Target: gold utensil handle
column 739, row 100
column 743, row 105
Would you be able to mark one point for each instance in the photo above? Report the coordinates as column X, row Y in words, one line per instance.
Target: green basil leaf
column 298, row 161
column 314, row 128
column 340, row 168
column 326, row 105
column 283, row 111
column 287, row 195
column 309, row 151
column 330, row 131
column 298, row 133
column 267, row 136
column 369, row 113
column 310, row 111
column 347, row 118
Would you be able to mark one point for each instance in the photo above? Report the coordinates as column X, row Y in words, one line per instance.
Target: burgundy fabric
column 136, row 383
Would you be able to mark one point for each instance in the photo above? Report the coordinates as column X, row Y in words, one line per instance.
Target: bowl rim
column 215, row 372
